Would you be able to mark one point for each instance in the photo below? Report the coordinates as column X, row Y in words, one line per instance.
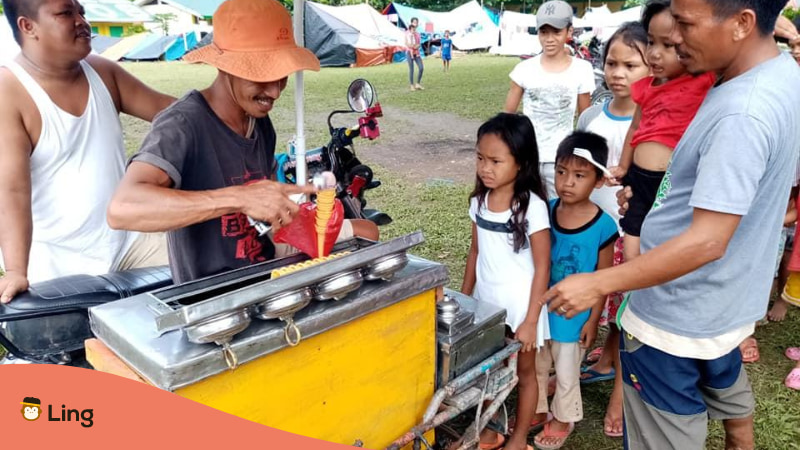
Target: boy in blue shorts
column 582, row 238
column 447, row 47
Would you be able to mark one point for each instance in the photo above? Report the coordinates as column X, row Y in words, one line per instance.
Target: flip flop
column 498, row 444
column 593, row 356
column 595, row 376
column 526, row 448
column 560, row 435
column 793, row 379
column 793, row 353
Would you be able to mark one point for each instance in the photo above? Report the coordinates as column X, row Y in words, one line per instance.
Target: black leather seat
column 50, row 321
column 79, row 292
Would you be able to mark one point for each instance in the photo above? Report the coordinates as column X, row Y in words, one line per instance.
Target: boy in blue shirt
column 582, row 238
column 447, row 47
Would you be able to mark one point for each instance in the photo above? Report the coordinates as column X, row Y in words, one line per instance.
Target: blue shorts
column 668, row 399
column 446, row 57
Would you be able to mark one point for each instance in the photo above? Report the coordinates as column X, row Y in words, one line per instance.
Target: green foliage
column 631, row 3
column 165, row 20
column 134, row 29
column 791, row 13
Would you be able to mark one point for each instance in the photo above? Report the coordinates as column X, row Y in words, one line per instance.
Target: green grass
column 475, row 89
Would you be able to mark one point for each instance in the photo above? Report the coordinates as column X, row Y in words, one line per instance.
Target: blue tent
column 168, row 48
column 181, row 46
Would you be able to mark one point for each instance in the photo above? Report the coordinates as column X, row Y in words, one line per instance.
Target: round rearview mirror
column 360, row 95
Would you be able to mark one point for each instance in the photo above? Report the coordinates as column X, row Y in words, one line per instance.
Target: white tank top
column 75, row 168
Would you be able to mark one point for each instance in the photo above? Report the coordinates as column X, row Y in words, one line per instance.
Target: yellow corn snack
column 286, row 270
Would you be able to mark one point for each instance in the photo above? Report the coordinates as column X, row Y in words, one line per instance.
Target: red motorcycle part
column 369, row 128
column 302, row 232
column 356, row 185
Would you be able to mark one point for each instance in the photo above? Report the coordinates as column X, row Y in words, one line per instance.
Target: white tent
column 369, row 22
column 8, row 46
column 514, row 37
column 469, row 26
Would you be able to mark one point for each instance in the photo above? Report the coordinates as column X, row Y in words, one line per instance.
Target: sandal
column 593, row 356
column 793, row 353
column 498, row 444
column 549, row 433
column 595, row 376
column 749, row 349
column 793, row 379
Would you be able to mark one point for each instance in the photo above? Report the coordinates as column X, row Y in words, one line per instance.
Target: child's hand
column 618, row 173
column 526, row 334
column 588, row 334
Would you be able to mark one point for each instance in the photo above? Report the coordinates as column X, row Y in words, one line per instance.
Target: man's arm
column 584, row 101
column 146, row 201
column 705, row 241
column 16, row 225
column 133, row 97
column 513, row 98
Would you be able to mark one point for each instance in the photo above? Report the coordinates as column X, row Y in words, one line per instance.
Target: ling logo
column 31, row 408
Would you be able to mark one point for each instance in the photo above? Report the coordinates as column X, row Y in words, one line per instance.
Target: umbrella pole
column 300, row 137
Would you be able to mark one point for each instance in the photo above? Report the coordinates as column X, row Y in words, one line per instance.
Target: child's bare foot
column 612, row 423
column 749, row 349
column 778, row 311
column 517, row 443
column 554, row 435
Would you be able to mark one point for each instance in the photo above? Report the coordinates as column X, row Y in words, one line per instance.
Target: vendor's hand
column 618, row 174
column 623, row 195
column 526, row 334
column 12, row 284
column 269, row 201
column 588, row 334
column 573, row 295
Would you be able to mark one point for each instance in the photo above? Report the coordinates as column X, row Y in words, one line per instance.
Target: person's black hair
column 517, row 132
column 413, row 19
column 632, row 34
column 595, row 143
column 651, row 9
column 796, row 22
column 14, row 9
column 767, row 11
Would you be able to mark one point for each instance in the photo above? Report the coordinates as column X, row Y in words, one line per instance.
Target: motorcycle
column 339, row 157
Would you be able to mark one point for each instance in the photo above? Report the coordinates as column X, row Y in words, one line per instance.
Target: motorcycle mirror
column 360, row 95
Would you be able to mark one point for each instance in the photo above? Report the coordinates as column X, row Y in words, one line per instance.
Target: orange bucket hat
column 253, row 40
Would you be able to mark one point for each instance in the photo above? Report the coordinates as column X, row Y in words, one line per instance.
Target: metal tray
column 193, row 302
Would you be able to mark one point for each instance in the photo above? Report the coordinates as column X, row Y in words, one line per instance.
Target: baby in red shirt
column 666, row 103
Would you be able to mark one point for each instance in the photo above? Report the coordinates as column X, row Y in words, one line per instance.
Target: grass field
column 475, row 89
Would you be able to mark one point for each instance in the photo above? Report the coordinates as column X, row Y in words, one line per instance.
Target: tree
column 164, row 20
column 630, row 3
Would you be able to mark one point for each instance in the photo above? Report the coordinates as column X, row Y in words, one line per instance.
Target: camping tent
column 103, row 43
column 169, row 48
column 514, row 37
column 469, row 25
column 350, row 35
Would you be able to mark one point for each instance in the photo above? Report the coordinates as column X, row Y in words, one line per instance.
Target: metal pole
column 300, row 137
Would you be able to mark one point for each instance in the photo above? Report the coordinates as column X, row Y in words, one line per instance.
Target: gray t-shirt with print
column 737, row 157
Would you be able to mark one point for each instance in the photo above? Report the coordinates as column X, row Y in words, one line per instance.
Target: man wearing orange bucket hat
column 206, row 164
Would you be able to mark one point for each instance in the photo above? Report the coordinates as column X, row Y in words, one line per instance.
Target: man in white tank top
column 62, row 154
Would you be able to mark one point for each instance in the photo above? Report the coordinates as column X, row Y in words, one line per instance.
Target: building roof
column 114, row 11
column 199, row 8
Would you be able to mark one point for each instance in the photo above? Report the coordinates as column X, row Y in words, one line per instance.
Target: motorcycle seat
column 79, row 292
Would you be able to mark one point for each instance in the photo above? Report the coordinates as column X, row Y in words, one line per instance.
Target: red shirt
column 412, row 40
column 668, row 109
